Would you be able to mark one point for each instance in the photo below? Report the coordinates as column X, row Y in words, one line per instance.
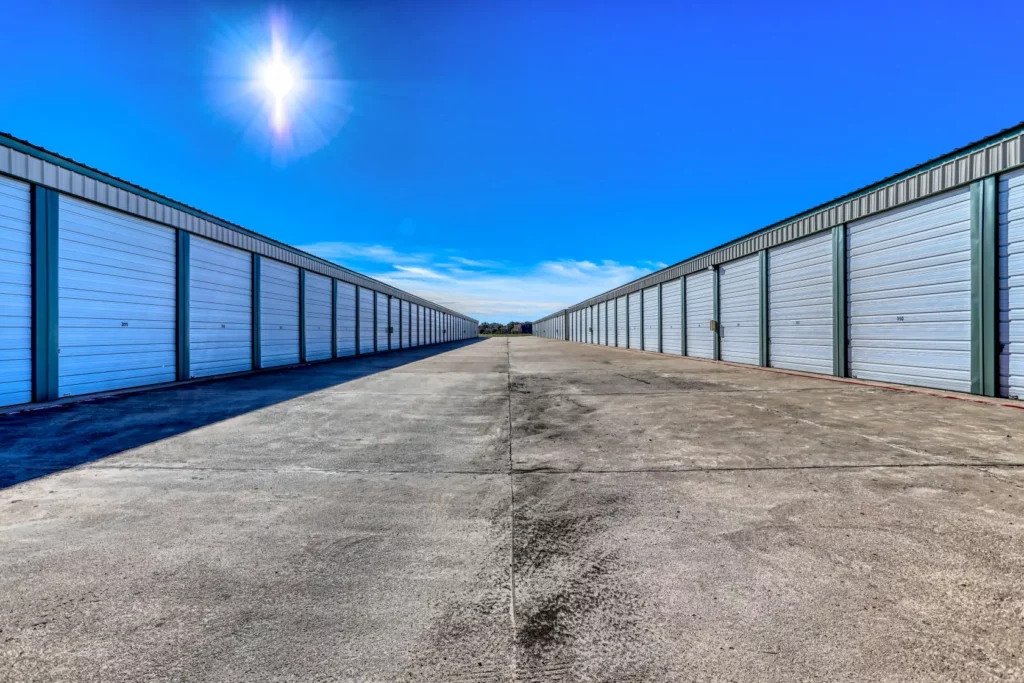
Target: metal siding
column 800, row 305
column 382, row 322
column 739, row 306
column 600, row 323
column 279, row 313
column 633, row 302
column 220, row 309
column 15, row 292
column 318, row 317
column 909, row 296
column 346, row 319
column 620, row 322
column 700, row 340
column 395, row 334
column 609, row 325
column 651, row 317
column 672, row 318
column 419, row 326
column 407, row 324
column 365, row 320
column 1011, row 285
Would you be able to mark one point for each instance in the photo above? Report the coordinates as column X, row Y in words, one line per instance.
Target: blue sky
column 510, row 158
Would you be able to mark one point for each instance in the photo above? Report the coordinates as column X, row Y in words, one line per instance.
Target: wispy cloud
column 339, row 251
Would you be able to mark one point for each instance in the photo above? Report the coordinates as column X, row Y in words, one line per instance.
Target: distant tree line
column 506, row 328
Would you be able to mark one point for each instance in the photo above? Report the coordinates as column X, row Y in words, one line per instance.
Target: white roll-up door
column 15, row 293
column 220, row 308
column 317, row 299
column 429, row 320
column 407, row 325
column 382, row 322
column 420, row 331
column 635, row 318
column 652, row 316
column 672, row 318
column 621, row 331
column 346, row 319
column 396, row 333
column 739, row 310
column 1011, row 284
column 279, row 313
column 118, row 300
column 600, row 317
column 700, row 340
column 909, row 294
column 800, row 304
column 365, row 320
column 607, row 325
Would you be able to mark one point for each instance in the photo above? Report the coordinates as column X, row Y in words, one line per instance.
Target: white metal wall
column 407, row 325
column 1011, row 284
column 739, row 310
column 365, row 320
column 909, row 294
column 118, row 300
column 396, row 331
column 15, row 293
column 382, row 322
column 635, row 332
column 317, row 299
column 279, row 313
column 346, row 319
column 652, row 316
column 700, row 340
column 620, row 322
column 220, row 308
column 672, row 318
column 601, row 317
column 800, row 305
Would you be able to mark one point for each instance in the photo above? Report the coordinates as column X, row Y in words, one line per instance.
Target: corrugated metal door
column 346, row 319
column 317, row 299
column 608, row 312
column 220, row 309
column 279, row 313
column 700, row 340
column 635, row 331
column 672, row 317
column 365, row 320
column 407, row 324
column 117, row 300
column 420, row 326
column 621, row 331
column 800, row 305
column 909, row 294
column 430, row 325
column 651, row 317
column 600, row 323
column 382, row 322
column 395, row 334
column 1011, row 284
column 15, row 293
column 739, row 310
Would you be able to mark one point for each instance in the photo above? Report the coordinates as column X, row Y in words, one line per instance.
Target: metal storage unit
column 600, row 323
column 220, row 309
column 117, row 300
column 346, row 319
column 672, row 318
column 421, row 329
column 317, row 301
column 621, row 332
column 15, row 293
column 279, row 313
column 366, row 334
column 407, row 325
column 700, row 311
column 739, row 310
column 1011, row 284
column 429, row 322
column 395, row 333
column 800, row 294
column 652, row 316
column 909, row 294
column 382, row 322
column 634, row 319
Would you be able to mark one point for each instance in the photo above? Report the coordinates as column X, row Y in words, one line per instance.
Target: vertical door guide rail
column 302, row 315
column 661, row 322
column 334, row 318
column 682, row 316
column 257, row 337
column 840, row 325
column 984, row 287
column 717, row 338
column 184, row 257
column 762, row 322
column 45, row 343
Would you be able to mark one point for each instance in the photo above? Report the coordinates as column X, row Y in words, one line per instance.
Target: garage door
column 382, row 322
column 800, row 305
column 652, row 316
column 346, row 319
column 394, row 338
column 317, row 299
column 635, row 330
column 739, row 310
column 117, row 300
column 407, row 325
column 909, row 294
column 220, row 308
column 1011, row 284
column 365, row 320
column 620, row 322
column 700, row 340
column 279, row 313
column 601, row 319
column 419, row 325
column 609, row 323
column 15, row 293
column 672, row 318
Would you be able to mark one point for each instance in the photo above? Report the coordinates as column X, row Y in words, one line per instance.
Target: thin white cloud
column 339, row 251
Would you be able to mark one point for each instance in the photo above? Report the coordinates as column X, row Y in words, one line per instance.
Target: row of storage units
column 927, row 293
column 121, row 302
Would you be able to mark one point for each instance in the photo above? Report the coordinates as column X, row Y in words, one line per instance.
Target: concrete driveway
column 513, row 510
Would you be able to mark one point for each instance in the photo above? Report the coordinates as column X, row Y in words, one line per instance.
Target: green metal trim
column 302, row 315
column 682, row 315
column 840, row 326
column 358, row 350
column 643, row 346
column 45, row 299
column 762, row 307
column 401, row 341
column 334, row 318
column 984, row 287
column 375, row 321
column 184, row 258
column 257, row 322
column 661, row 323
column 388, row 304
column 717, row 342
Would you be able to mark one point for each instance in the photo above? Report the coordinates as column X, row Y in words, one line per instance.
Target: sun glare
column 280, row 78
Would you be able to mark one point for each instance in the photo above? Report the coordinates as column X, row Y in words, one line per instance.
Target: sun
column 280, row 78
